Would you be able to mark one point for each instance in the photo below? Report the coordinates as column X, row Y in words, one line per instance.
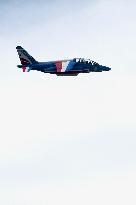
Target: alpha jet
column 69, row 67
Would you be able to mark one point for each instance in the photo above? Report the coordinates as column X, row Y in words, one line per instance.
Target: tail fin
column 25, row 58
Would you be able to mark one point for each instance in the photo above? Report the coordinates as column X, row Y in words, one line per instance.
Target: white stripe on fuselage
column 64, row 65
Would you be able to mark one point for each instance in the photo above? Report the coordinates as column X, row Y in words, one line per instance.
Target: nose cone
column 104, row 68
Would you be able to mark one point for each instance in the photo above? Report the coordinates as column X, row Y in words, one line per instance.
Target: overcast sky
column 68, row 140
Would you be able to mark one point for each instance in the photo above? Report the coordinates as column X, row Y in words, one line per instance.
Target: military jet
column 69, row 67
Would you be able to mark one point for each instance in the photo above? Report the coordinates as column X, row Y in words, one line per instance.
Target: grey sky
column 68, row 140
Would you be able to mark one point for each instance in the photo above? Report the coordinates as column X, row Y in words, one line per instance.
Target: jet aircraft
column 69, row 67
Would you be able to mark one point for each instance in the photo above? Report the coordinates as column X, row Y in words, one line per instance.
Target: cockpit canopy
column 83, row 60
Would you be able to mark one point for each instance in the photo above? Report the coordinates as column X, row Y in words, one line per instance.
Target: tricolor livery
column 70, row 67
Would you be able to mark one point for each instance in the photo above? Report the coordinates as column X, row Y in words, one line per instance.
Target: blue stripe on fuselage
column 70, row 65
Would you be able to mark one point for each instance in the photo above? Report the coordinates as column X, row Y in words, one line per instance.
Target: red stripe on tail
column 24, row 69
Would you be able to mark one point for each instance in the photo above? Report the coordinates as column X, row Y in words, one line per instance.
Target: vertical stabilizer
column 24, row 56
